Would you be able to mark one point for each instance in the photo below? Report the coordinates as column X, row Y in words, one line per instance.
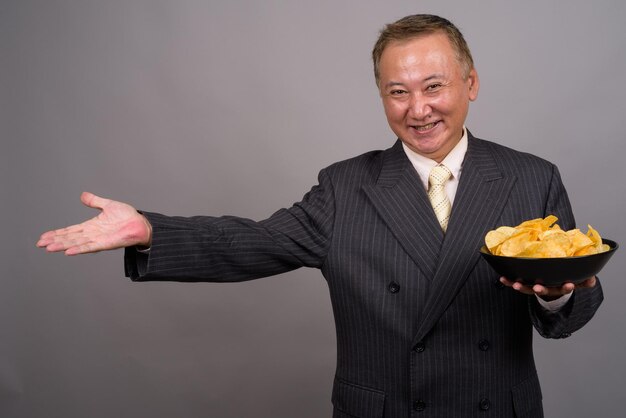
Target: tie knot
column 439, row 175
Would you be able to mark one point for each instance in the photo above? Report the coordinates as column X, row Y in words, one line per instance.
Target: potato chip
column 579, row 242
column 551, row 232
column 556, row 244
column 517, row 243
column 507, row 230
column 494, row 238
column 539, row 224
column 531, row 249
column 543, row 238
column 543, row 249
column 595, row 237
column 588, row 250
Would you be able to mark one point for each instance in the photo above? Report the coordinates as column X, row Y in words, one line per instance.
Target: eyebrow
column 434, row 76
column 393, row 83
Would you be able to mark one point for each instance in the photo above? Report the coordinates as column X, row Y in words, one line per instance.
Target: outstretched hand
column 118, row 225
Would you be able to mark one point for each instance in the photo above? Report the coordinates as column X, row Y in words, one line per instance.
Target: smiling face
column 425, row 93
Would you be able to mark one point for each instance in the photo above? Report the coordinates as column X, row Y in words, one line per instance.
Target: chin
column 425, row 149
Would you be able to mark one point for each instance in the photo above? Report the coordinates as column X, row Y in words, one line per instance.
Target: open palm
column 118, row 225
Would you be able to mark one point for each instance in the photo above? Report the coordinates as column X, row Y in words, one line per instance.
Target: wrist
column 146, row 241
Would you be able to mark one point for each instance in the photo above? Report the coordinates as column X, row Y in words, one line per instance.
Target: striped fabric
column 423, row 326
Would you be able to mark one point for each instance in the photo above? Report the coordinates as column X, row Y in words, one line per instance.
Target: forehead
column 423, row 53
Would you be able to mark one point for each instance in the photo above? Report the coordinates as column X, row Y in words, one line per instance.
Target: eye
column 434, row 86
column 398, row 93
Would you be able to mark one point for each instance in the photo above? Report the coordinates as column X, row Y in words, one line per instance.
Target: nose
column 419, row 107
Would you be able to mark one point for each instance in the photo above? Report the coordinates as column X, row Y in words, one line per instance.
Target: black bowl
column 550, row 271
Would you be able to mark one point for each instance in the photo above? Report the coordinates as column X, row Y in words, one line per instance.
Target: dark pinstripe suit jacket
column 423, row 326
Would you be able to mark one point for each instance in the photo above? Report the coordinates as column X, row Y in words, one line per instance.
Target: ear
column 473, row 84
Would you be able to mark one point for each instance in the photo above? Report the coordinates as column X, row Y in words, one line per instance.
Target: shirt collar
column 454, row 160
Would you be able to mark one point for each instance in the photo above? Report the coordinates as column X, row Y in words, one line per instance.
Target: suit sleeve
column 228, row 248
column 584, row 302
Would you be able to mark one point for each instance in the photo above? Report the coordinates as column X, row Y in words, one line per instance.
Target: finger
column 47, row 238
column 63, row 245
column 61, row 234
column 506, row 281
column 44, row 240
column 520, row 287
column 540, row 290
column 72, row 229
column 89, row 247
column 93, row 201
column 55, row 247
column 590, row 282
column 77, row 245
column 88, row 199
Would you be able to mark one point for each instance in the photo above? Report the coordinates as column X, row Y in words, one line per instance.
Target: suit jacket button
column 393, row 287
column 483, row 345
column 566, row 334
column 484, row 404
column 419, row 405
column 419, row 347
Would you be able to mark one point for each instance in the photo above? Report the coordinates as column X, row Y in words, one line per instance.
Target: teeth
column 425, row 127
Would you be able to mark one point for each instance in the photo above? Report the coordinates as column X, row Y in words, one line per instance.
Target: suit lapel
column 481, row 196
column 402, row 203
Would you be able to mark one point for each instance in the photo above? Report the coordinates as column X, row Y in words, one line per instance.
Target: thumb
column 93, row 201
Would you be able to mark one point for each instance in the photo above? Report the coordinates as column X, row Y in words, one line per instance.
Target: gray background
column 232, row 107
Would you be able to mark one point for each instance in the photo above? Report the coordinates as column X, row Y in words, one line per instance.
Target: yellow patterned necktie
column 437, row 179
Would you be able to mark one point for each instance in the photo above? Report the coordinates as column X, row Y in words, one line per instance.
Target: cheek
column 449, row 109
column 443, row 103
column 394, row 111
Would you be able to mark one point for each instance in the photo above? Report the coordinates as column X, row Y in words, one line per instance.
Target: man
column 424, row 325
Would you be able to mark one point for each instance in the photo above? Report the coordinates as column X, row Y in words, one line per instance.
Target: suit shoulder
column 360, row 168
column 511, row 160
